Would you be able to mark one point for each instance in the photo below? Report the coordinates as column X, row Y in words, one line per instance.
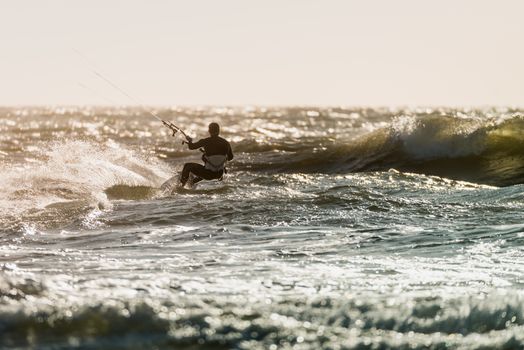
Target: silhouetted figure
column 217, row 151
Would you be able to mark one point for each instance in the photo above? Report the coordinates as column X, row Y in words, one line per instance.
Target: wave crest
column 482, row 150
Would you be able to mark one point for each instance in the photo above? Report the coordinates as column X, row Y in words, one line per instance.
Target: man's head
column 214, row 129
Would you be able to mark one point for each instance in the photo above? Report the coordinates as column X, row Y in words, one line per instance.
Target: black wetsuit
column 214, row 145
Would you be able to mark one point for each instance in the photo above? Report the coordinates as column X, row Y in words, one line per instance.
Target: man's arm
column 197, row 145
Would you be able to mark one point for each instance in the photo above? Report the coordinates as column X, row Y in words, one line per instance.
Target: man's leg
column 197, row 179
column 200, row 173
column 188, row 168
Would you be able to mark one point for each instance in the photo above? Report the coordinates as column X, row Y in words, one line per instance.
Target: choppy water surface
column 335, row 229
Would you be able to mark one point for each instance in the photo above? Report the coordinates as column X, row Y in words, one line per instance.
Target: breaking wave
column 67, row 180
column 482, row 150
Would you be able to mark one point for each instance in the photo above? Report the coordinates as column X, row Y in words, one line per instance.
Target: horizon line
column 277, row 105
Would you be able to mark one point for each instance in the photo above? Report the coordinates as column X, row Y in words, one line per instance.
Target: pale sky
column 263, row 52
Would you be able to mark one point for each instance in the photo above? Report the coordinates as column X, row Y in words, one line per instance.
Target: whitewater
column 335, row 228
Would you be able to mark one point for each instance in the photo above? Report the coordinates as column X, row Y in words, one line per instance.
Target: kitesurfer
column 217, row 151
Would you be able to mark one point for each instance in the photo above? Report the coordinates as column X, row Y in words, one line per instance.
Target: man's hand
column 189, row 139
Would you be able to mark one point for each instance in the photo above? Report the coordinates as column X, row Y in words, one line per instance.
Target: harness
column 215, row 163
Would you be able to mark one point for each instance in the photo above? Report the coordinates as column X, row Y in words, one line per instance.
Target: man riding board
column 217, row 151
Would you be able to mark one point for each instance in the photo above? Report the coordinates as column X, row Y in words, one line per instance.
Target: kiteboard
column 172, row 185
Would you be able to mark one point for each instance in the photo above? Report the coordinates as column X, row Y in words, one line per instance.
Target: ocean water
column 335, row 228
